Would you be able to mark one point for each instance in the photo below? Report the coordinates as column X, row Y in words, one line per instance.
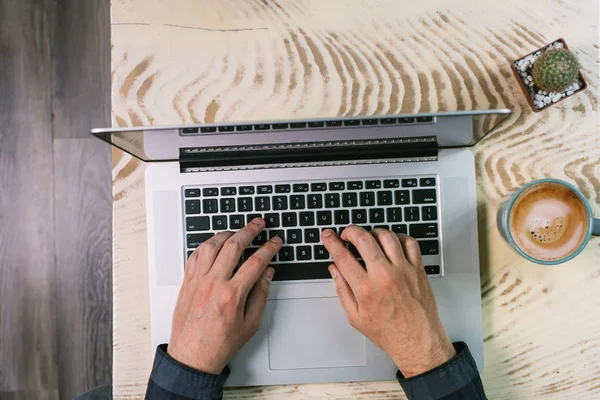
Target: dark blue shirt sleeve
column 171, row 380
column 457, row 379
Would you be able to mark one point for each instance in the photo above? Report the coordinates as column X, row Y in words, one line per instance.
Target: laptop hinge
column 287, row 155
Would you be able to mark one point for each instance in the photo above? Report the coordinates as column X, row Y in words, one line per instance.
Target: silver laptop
column 408, row 173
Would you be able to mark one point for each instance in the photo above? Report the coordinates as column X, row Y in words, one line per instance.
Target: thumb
column 349, row 303
column 257, row 299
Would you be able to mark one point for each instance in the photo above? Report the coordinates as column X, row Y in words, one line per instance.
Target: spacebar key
column 301, row 271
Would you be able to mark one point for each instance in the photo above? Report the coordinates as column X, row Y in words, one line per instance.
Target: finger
column 349, row 303
column 190, row 265
column 390, row 244
column 411, row 248
column 257, row 299
column 365, row 243
column 251, row 270
column 351, row 269
column 232, row 250
column 209, row 251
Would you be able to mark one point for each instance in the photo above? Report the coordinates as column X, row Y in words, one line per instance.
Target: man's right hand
column 391, row 301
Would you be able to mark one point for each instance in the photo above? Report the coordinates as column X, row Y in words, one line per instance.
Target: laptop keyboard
column 299, row 212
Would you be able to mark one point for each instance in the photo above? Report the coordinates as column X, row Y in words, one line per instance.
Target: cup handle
column 596, row 227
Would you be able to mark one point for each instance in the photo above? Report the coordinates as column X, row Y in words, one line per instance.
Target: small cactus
column 555, row 70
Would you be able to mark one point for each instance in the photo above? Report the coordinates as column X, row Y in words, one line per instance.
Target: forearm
column 457, row 379
column 173, row 380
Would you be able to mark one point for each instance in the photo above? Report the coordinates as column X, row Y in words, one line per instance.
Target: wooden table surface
column 214, row 60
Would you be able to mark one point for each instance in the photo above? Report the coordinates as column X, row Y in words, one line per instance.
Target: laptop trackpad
column 312, row 333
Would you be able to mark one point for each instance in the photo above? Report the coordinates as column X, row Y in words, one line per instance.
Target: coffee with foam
column 549, row 221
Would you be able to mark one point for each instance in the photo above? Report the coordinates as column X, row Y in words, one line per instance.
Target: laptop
column 410, row 173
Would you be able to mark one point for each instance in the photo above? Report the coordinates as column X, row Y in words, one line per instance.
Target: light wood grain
column 204, row 61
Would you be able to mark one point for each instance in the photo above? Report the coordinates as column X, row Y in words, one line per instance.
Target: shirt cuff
column 456, row 375
column 173, row 377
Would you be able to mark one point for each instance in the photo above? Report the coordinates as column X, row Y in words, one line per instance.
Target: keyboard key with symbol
column 300, row 187
column 303, row 253
column 265, row 189
column 384, row 198
column 373, row 184
column 247, row 190
column 367, row 199
column 376, row 215
column 321, row 252
column 307, row 218
column 318, row 187
column 210, row 192
column 219, row 222
column 245, row 204
column 312, row 235
column 280, row 203
column 289, row 219
column 432, row 269
column 355, row 185
column 341, row 217
column 427, row 182
column 228, row 205
column 430, row 213
column 429, row 247
column 260, row 239
column 315, row 201
column 297, row 202
column 286, row 254
column 411, row 214
column 332, row 200
column 400, row 229
column 192, row 206
column 272, row 220
column 422, row 231
column 210, row 206
column 349, row 200
column 236, row 221
column 283, row 188
column 391, row 183
column 409, row 182
column 401, row 197
column 197, row 223
column 192, row 192
column 424, row 196
column 359, row 216
column 324, row 218
column 394, row 214
column 261, row 203
column 228, row 191
column 294, row 236
column 196, row 239
column 277, row 232
column 337, row 186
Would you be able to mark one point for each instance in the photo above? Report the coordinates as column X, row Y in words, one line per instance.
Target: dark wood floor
column 55, row 198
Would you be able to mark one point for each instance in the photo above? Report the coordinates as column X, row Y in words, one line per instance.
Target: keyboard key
column 427, row 182
column 349, row 199
column 189, row 130
column 432, row 269
column 312, row 235
column 249, row 252
column 286, row 254
column 341, row 217
column 367, row 199
column 298, row 125
column 401, row 197
column 429, row 213
column 228, row 205
column 197, row 223
column 328, row 227
column 210, row 206
column 367, row 227
column 228, row 128
column 300, row 187
column 247, row 190
column 324, row 218
column 301, row 271
column 219, row 222
column 303, row 253
column 280, row 126
column 192, row 192
column 192, row 206
column 250, row 217
column 277, row 232
column 394, row 214
column 429, row 247
column 384, row 198
column 355, row 185
column 283, row 188
column 245, row 204
column 315, row 201
column 400, row 229
column 189, row 254
column 318, row 187
column 228, row 191
column 354, row 251
column 422, row 231
column 382, row 227
column 391, row 183
column 359, row 216
column 265, row 189
column 262, row 127
column 307, row 218
column 289, row 219
column 280, row 203
column 321, row 252
column 243, row 127
column 332, row 200
column 337, row 186
column 352, row 122
column 406, row 120
column 209, row 192
column 272, row 220
column 373, row 185
column 424, row 196
column 262, row 203
column 316, row 124
column 411, row 214
column 376, row 215
column 236, row 221
column 294, row 236
column 370, row 121
column 424, row 119
column 333, row 123
column 409, row 182
column 297, row 202
column 196, row 239
column 260, row 239
column 208, row 129
column 388, row 121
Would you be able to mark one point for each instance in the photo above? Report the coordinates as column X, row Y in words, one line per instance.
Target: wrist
column 425, row 361
column 194, row 361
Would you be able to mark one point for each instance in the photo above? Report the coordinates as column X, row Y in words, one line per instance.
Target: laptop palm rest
column 312, row 333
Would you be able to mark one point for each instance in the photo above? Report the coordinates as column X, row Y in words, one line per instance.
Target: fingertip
column 327, row 234
column 258, row 221
column 269, row 274
column 333, row 271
